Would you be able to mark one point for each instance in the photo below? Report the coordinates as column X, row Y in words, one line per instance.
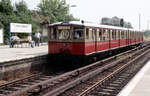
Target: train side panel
column 114, row 43
column 123, row 42
column 66, row 48
column 102, row 45
column 89, row 47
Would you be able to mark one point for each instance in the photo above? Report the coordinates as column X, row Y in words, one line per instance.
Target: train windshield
column 78, row 33
column 64, row 34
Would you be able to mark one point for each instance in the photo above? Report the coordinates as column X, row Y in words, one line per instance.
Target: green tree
column 24, row 15
column 6, row 12
column 6, row 7
column 21, row 7
column 17, row 14
column 1, row 15
column 1, row 25
column 56, row 10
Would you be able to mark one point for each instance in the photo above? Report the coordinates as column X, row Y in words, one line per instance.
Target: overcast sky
column 94, row 10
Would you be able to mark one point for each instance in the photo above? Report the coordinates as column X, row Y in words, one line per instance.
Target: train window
column 133, row 34
column 117, row 34
column 122, row 34
column 124, row 37
column 53, row 33
column 113, row 35
column 93, row 34
column 87, row 33
column 64, row 34
column 78, row 33
column 100, row 35
column 105, row 34
column 127, row 36
column 129, row 32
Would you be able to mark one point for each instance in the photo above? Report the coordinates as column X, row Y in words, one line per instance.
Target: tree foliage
column 21, row 7
column 50, row 11
column 147, row 33
column 6, row 7
column 56, row 10
column 17, row 14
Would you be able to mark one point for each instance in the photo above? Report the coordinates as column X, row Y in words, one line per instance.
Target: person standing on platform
column 30, row 40
column 37, row 39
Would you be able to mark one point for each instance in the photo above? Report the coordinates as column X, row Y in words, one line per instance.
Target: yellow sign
column 63, row 27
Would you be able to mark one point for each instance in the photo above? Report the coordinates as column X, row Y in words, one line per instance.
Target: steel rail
column 85, row 77
column 86, row 92
column 19, row 80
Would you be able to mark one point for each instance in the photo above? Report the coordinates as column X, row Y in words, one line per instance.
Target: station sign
column 1, row 36
column 20, row 28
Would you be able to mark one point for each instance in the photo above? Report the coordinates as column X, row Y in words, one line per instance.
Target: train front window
column 78, row 33
column 53, row 34
column 64, row 34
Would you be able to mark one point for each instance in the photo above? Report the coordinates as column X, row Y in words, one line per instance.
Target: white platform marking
column 129, row 87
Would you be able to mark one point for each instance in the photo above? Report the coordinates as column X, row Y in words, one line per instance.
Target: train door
column 109, row 37
column 119, row 31
column 127, row 37
column 52, row 38
column 94, row 32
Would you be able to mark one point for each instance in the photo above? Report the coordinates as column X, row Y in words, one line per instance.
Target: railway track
column 12, row 86
column 78, row 89
column 111, row 81
column 53, row 86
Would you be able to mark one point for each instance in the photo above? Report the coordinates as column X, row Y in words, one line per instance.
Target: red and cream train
column 79, row 41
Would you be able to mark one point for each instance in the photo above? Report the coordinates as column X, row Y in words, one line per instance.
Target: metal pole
column 10, row 35
column 139, row 22
column 147, row 24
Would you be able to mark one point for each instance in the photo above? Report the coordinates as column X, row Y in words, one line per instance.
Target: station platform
column 139, row 85
column 10, row 54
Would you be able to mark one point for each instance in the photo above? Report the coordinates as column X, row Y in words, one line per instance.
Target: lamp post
column 147, row 24
column 139, row 22
column 69, row 6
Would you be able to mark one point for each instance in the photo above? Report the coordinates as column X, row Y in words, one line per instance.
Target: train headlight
column 65, row 44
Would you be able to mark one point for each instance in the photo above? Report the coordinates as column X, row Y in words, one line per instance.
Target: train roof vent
column 65, row 22
column 82, row 21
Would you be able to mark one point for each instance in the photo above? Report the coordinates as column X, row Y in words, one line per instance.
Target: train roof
column 90, row 24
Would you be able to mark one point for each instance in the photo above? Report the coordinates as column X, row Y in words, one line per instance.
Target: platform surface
column 139, row 85
column 9, row 54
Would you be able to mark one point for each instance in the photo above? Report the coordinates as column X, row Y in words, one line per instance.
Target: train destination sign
column 1, row 35
column 20, row 28
column 63, row 27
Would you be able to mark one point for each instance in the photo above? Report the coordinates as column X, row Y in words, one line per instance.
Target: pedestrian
column 14, row 40
column 31, row 42
column 37, row 39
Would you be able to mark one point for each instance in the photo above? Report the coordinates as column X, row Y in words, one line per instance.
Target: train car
column 81, row 42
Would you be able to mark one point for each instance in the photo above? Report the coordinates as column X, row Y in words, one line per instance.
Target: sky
column 94, row 10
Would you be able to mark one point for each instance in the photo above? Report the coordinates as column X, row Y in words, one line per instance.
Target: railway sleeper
column 108, row 87
column 103, row 94
column 6, row 92
column 10, row 89
column 16, row 88
column 112, row 91
column 107, row 90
